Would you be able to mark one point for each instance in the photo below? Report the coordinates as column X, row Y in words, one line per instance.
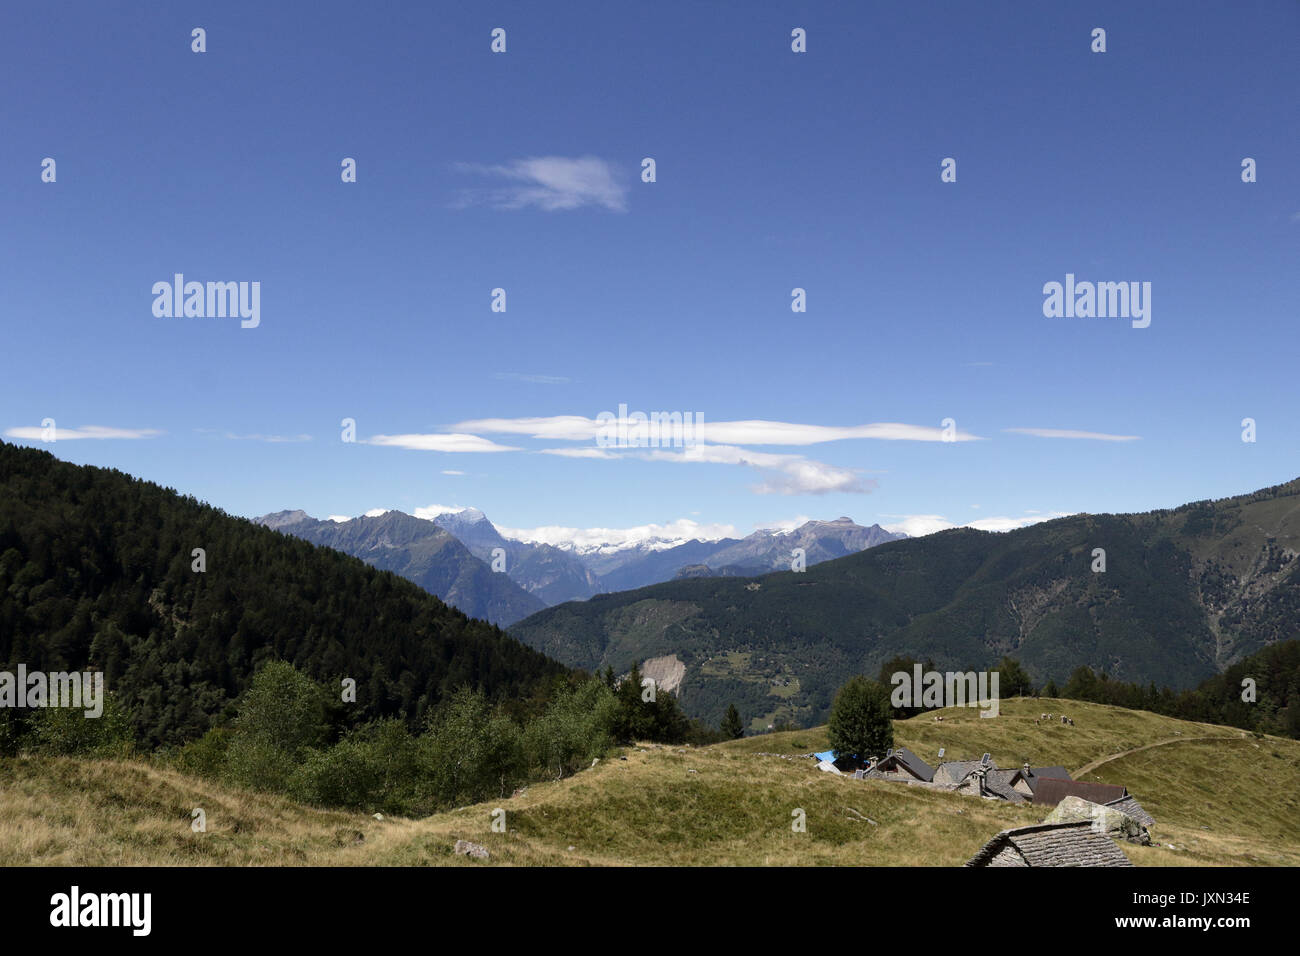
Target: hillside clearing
column 684, row 806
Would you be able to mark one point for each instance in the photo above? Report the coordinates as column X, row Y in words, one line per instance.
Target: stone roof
column 914, row 764
column 1001, row 783
column 1130, row 806
column 1050, row 844
column 955, row 771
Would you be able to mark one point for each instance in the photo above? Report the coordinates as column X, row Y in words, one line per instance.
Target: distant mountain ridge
column 538, row 575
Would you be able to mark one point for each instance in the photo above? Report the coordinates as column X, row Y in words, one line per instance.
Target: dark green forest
column 1273, row 707
column 96, row 573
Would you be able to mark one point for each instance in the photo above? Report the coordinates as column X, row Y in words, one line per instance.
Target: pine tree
column 731, row 725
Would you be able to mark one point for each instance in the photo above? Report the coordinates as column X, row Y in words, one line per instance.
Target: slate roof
column 955, row 771
column 1050, row 844
column 1051, row 791
column 1000, row 783
column 1128, row 805
column 914, row 764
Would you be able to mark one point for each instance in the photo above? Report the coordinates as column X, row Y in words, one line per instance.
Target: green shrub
column 67, row 731
column 574, row 730
column 282, row 714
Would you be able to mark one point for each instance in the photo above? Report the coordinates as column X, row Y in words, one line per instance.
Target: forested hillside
column 1184, row 594
column 96, row 572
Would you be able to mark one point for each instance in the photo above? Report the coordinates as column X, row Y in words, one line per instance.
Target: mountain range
column 453, row 556
column 1169, row 597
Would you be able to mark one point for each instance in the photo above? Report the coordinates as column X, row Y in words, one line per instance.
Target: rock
column 1114, row 823
column 465, row 848
column 379, row 816
column 595, row 761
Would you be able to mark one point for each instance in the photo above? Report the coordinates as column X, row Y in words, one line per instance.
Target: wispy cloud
column 451, row 442
column 783, row 474
column 551, row 183
column 581, row 453
column 710, row 443
column 36, row 433
column 683, row 529
column 535, row 379
column 749, row 432
column 1066, row 433
column 916, row 526
column 275, row 439
column 452, row 471
column 429, row 512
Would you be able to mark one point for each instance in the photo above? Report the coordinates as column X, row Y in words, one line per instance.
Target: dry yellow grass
column 684, row 806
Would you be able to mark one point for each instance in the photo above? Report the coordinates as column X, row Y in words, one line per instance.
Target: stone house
column 1050, row 844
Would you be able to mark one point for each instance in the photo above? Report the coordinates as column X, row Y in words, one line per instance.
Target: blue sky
column 775, row 170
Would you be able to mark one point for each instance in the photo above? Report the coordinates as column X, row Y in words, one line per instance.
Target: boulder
column 465, row 848
column 1114, row 823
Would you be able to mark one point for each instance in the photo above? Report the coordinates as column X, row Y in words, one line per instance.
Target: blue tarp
column 828, row 755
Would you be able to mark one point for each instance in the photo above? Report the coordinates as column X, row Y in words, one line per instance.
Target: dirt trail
column 1088, row 768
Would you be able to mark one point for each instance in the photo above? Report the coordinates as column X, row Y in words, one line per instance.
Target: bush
column 375, row 767
column 469, row 753
column 205, row 756
column 573, row 731
column 67, row 731
column 282, row 714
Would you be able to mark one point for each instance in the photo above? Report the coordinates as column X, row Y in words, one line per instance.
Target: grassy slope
column 734, row 809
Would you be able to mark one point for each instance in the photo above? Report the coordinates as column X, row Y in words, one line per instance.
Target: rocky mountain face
column 419, row 551
column 423, row 551
column 551, row 574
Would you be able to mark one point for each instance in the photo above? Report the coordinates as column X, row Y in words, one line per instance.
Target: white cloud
column 376, row 512
column 787, row 474
column 683, row 529
column 917, row 526
column 452, row 442
column 429, row 512
column 1065, row 433
column 553, row 428
column 338, row 519
column 452, row 471
column 784, row 525
column 274, row 439
column 750, row 432
column 85, row 431
column 535, row 379
column 549, row 182
column 605, row 453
